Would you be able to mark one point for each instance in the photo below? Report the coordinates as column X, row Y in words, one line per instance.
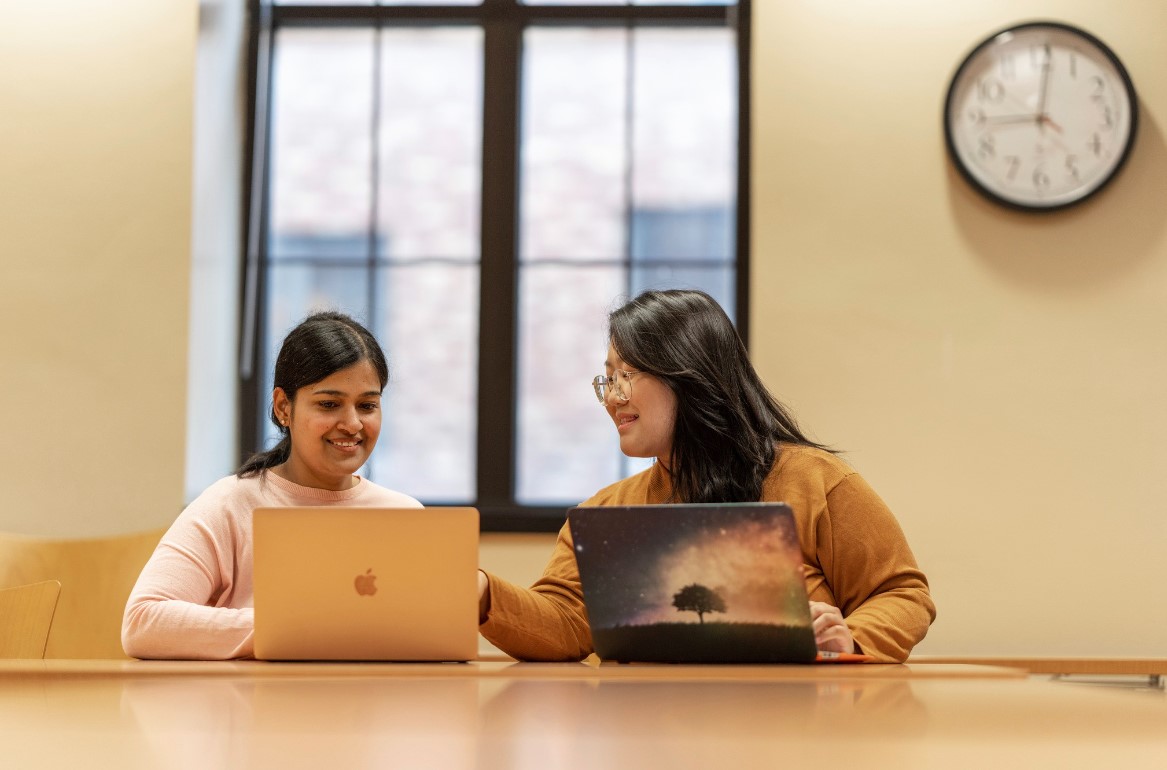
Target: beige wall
column 95, row 207
column 998, row 377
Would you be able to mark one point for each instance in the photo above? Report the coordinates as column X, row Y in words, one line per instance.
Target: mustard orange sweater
column 855, row 553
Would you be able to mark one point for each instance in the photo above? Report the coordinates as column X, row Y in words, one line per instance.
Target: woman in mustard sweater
column 679, row 387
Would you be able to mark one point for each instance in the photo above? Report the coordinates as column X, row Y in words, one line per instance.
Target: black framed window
column 481, row 183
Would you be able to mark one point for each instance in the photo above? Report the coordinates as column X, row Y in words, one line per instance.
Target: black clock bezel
column 1124, row 76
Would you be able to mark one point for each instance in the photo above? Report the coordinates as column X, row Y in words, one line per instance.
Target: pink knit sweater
column 193, row 599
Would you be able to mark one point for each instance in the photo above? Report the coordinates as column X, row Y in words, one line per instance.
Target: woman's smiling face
column 645, row 421
column 334, row 425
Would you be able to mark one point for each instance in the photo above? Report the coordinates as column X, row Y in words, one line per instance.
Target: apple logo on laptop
column 366, row 584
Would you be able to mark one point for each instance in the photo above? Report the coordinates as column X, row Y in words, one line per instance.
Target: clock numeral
column 1095, row 144
column 987, row 148
column 976, row 116
column 1107, row 118
column 1099, row 86
column 1039, row 56
column 1073, row 65
column 1072, row 167
column 1008, row 67
column 1014, row 163
column 1040, row 179
column 990, row 90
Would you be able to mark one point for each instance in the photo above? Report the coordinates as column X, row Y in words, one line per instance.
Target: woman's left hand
column 830, row 631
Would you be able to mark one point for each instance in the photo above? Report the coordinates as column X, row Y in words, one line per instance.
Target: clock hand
column 1012, row 119
column 1046, row 120
column 1044, row 88
column 1057, row 142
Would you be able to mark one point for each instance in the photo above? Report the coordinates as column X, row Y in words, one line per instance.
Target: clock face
column 1040, row 116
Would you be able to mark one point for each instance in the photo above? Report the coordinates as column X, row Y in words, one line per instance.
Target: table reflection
column 306, row 722
column 544, row 724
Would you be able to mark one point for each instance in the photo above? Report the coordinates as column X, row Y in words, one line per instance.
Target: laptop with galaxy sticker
column 706, row 583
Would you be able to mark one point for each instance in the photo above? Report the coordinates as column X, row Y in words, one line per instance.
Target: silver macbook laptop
column 388, row 584
column 694, row 583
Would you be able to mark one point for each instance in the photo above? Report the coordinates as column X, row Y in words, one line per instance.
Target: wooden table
column 494, row 714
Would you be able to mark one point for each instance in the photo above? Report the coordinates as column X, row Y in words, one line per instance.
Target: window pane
column 294, row 291
column 323, row 2
column 429, row 198
column 426, row 319
column 574, row 2
column 575, row 143
column 417, row 288
column 427, row 322
column 684, row 161
column 718, row 281
column 629, row 2
column 321, row 152
column 567, row 445
column 628, row 183
column 378, row 2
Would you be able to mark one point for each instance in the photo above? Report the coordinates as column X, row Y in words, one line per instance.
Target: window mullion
column 371, row 289
column 741, row 22
column 502, row 42
column 256, row 182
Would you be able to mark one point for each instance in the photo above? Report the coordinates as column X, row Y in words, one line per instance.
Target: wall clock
column 1040, row 116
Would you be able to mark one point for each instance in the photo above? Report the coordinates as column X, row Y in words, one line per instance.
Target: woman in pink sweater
column 193, row 599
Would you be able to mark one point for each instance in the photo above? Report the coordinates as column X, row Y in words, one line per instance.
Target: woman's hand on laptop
column 830, row 631
column 483, row 597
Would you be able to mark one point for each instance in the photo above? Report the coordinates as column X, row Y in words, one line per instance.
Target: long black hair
column 728, row 424
column 321, row 345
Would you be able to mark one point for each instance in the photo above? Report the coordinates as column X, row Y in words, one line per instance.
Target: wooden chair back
column 26, row 615
column 95, row 575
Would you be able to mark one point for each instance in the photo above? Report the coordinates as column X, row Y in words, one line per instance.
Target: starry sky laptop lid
column 718, row 583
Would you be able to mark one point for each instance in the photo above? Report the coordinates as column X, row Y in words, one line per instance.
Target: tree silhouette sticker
column 697, row 598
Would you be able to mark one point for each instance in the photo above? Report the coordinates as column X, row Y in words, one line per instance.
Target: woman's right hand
column 483, row 597
column 830, row 630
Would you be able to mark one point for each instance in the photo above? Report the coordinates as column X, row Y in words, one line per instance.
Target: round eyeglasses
column 620, row 383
